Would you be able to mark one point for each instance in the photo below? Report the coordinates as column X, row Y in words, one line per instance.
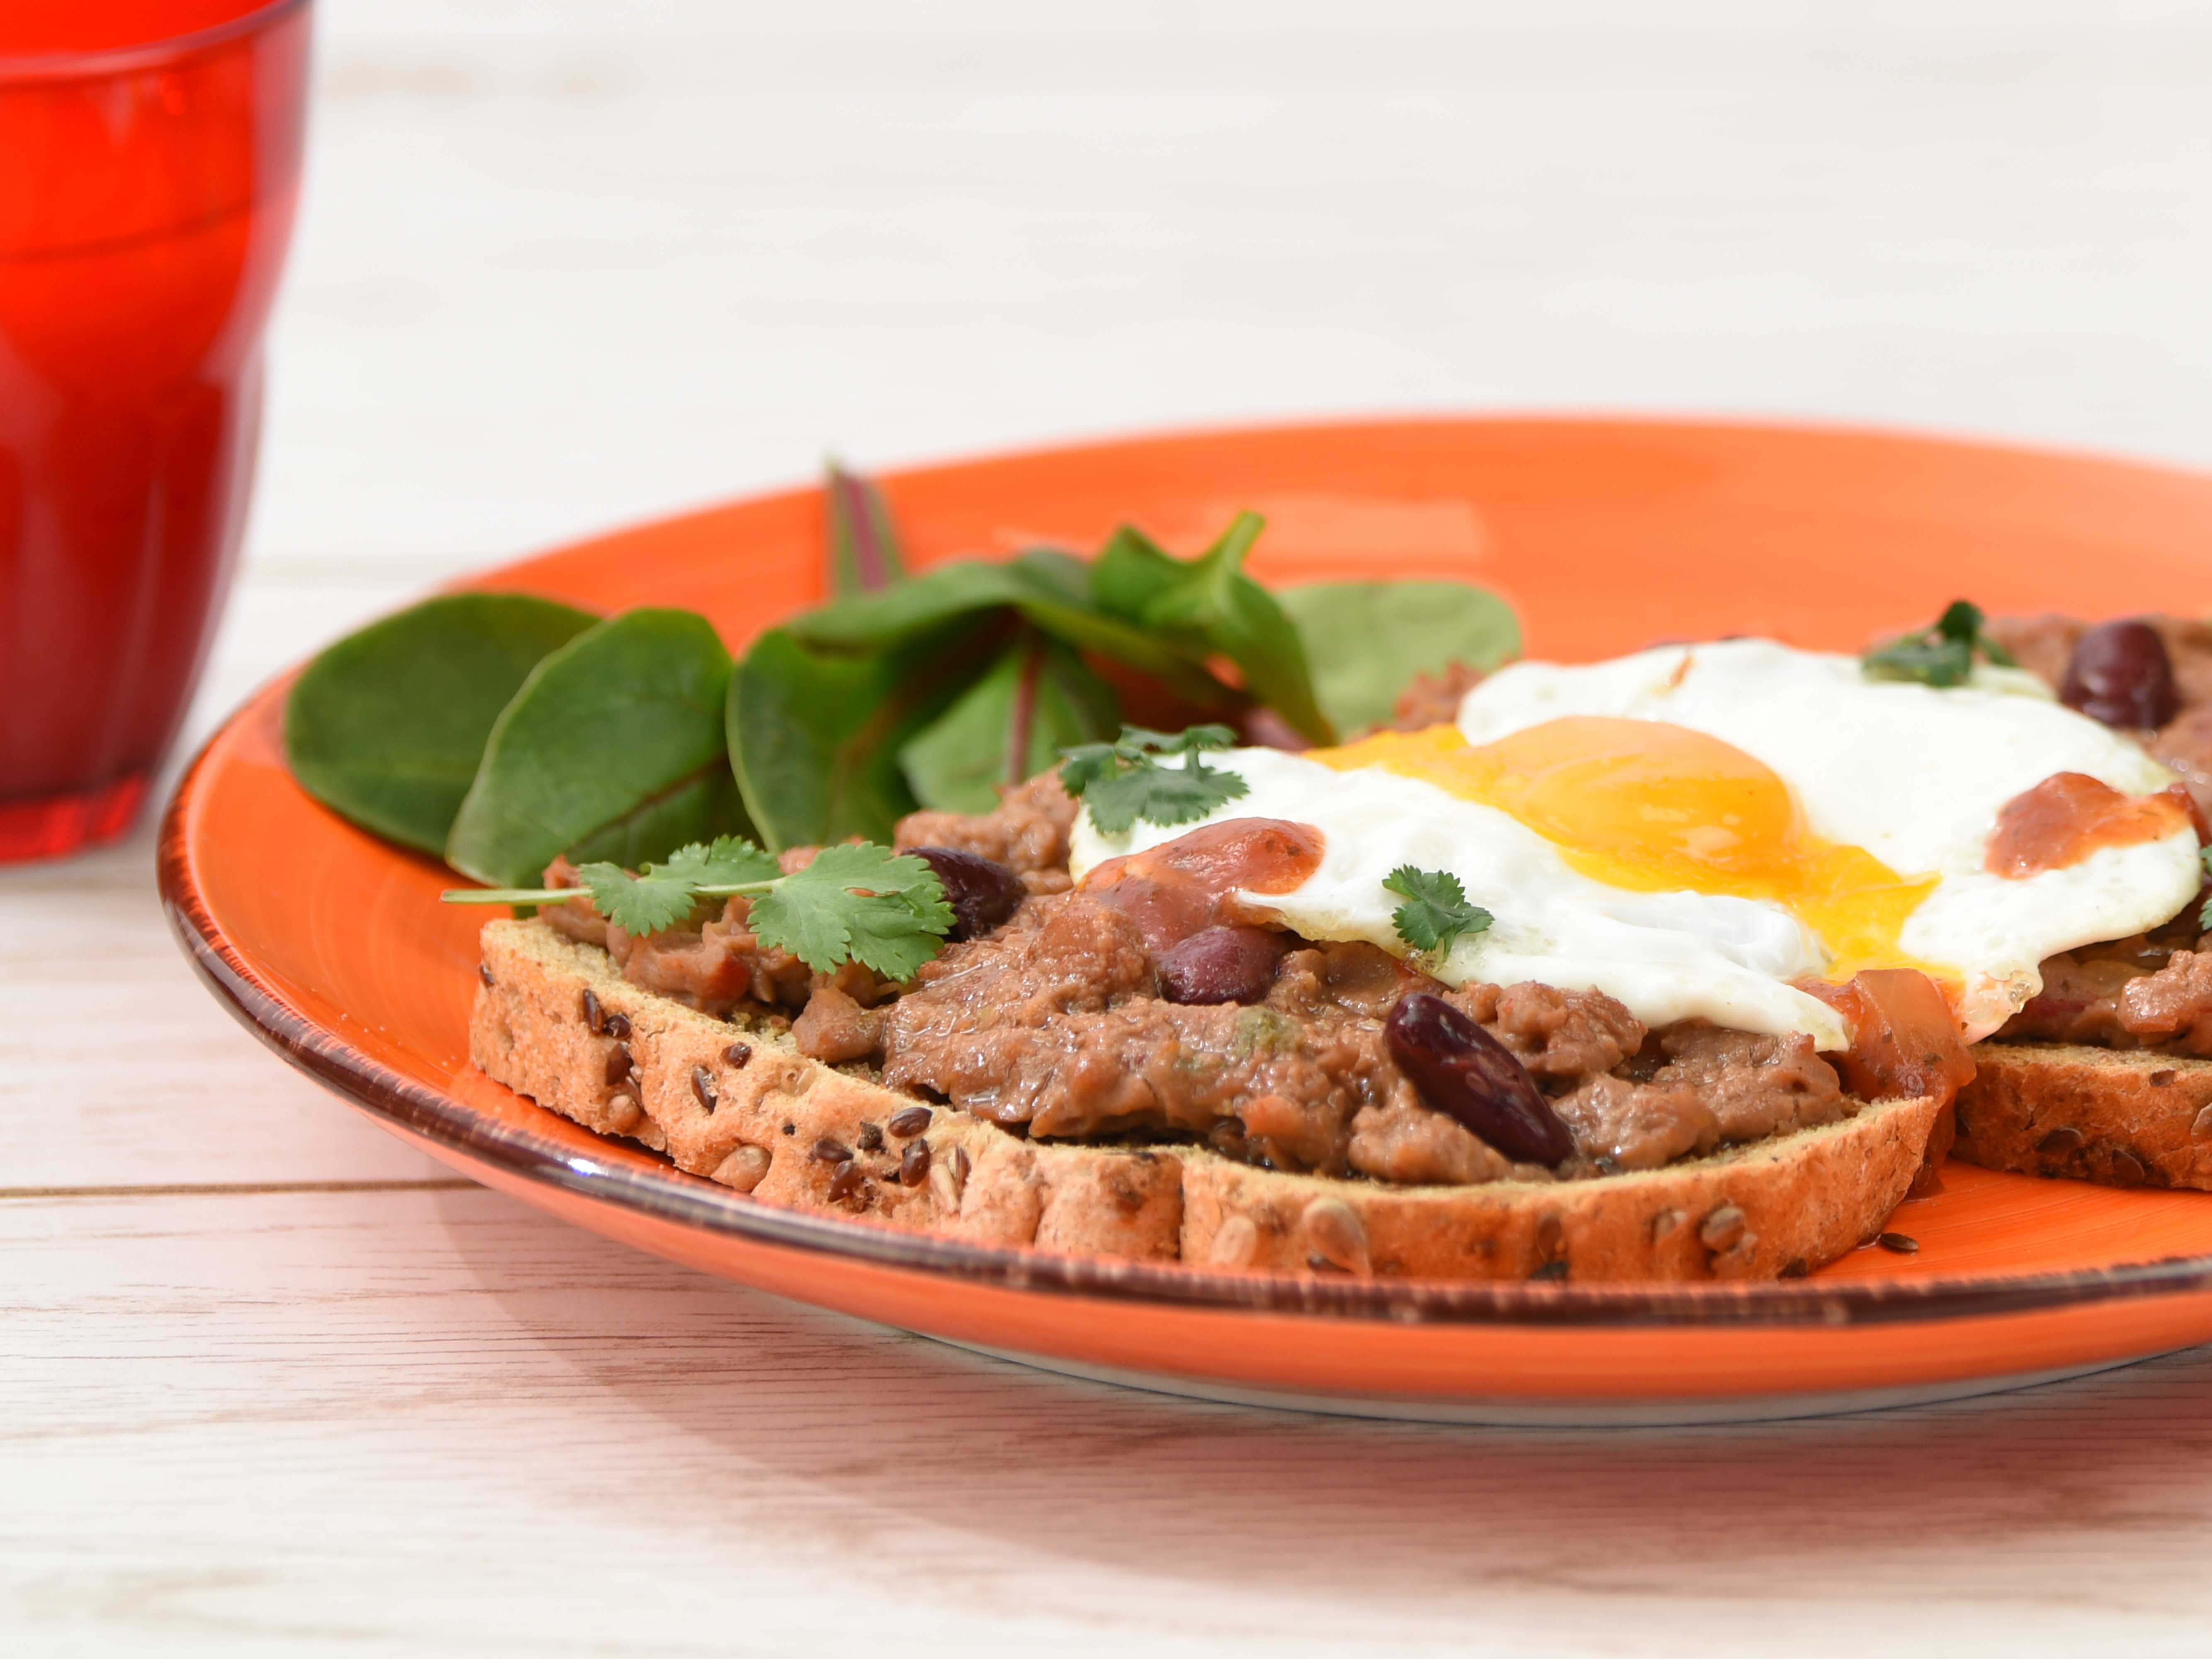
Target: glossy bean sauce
column 1186, row 885
column 2070, row 815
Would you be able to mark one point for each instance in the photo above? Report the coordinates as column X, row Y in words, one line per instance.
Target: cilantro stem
column 559, row 894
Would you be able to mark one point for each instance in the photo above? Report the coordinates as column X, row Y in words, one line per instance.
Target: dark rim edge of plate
column 672, row 1196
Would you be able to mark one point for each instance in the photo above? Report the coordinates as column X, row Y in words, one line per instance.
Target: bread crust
column 1772, row 1209
column 754, row 1124
column 2120, row 1117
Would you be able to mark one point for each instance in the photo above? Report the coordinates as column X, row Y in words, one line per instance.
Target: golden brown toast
column 746, row 1109
column 2119, row 1116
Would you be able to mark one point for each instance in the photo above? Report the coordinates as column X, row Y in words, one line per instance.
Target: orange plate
column 1606, row 536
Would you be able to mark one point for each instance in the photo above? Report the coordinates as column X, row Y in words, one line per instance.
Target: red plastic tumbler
column 149, row 163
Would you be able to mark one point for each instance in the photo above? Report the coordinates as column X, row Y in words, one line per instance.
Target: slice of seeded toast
column 2120, row 1117
column 746, row 1109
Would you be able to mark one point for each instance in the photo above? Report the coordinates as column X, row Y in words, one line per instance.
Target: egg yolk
column 1655, row 808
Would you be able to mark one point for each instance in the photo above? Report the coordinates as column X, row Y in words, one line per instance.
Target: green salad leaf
column 921, row 605
column 815, row 736
column 1940, row 656
column 1436, row 913
column 1036, row 699
column 615, row 739
column 1123, row 781
column 1035, row 587
column 386, row 727
column 1210, row 607
column 1366, row 639
column 507, row 731
column 865, row 556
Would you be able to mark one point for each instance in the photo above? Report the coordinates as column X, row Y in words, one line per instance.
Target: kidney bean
column 1220, row 965
column 1466, row 1073
column 982, row 892
column 2121, row 675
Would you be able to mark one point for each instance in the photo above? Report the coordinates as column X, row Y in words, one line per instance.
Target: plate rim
column 671, row 1196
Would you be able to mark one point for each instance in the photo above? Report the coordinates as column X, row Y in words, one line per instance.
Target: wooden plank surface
column 397, row 1420
column 271, row 1382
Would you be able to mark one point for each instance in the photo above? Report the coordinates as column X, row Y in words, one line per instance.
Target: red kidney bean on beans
column 1220, row 965
column 982, row 891
column 2120, row 674
column 1465, row 1072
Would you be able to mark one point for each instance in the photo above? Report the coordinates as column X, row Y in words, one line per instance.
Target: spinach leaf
column 864, row 545
column 814, row 736
column 600, row 743
column 1039, row 586
column 1067, row 612
column 386, row 727
column 1131, row 571
column 699, row 807
column 951, row 593
column 1011, row 724
column 1366, row 639
column 1209, row 606
column 1056, row 574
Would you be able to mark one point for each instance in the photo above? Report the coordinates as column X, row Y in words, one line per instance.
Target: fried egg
column 1694, row 830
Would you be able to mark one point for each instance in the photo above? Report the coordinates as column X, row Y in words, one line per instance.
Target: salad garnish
column 1941, row 655
column 502, row 730
column 1436, row 913
column 1122, row 781
column 863, row 903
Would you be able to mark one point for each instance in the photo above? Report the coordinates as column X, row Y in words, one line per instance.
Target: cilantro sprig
column 1124, row 781
column 2204, row 912
column 1436, row 912
column 855, row 902
column 1940, row 656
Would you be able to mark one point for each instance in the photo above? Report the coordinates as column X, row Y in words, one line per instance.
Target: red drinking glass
column 149, row 164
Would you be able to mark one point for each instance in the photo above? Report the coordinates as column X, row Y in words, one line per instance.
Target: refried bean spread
column 1144, row 1006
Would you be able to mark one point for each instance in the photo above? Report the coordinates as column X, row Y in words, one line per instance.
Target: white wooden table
column 269, row 1383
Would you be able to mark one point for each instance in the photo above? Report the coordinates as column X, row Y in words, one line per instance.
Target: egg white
column 1913, row 775
column 1667, row 956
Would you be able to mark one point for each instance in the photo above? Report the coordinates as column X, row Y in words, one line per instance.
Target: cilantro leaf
column 2204, row 915
column 860, row 904
column 1122, row 781
column 662, row 895
column 639, row 904
column 727, row 862
column 1189, row 741
column 1163, row 795
column 856, row 902
column 1940, row 656
column 1437, row 912
column 1085, row 765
